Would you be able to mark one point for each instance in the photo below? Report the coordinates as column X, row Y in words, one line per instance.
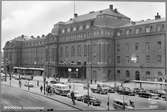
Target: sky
column 38, row 17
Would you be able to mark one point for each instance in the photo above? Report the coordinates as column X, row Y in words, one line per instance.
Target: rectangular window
column 79, row 50
column 159, row 58
column 66, row 51
column 136, row 46
column 118, row 59
column 127, row 59
column 147, row 45
column 148, row 29
column 127, row 46
column 85, row 50
column 147, row 58
column 159, row 44
column 72, row 51
column 137, row 59
column 118, row 47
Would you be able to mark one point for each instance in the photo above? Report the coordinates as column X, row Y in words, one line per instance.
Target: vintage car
column 119, row 104
column 61, row 89
column 91, row 100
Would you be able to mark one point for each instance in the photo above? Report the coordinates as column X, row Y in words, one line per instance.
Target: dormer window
column 63, row 31
column 74, row 29
column 137, row 31
column 148, row 29
column 68, row 30
column 81, row 28
column 158, row 28
column 118, row 33
column 87, row 26
column 128, row 31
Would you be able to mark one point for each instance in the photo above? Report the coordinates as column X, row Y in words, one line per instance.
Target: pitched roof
column 21, row 38
column 93, row 14
column 148, row 21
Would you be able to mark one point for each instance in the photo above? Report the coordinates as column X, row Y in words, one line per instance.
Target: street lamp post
column 77, row 71
column 108, row 103
column 88, row 85
column 69, row 75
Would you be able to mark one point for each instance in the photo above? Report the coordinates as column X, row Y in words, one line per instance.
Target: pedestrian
column 131, row 103
column 41, row 88
column 95, row 81
column 37, row 82
column 47, row 90
column 19, row 83
column 69, row 86
column 73, row 97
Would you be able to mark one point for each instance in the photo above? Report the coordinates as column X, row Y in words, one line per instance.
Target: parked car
column 103, row 91
column 16, row 77
column 138, row 90
column 160, row 92
column 91, row 100
column 61, row 89
column 94, row 90
column 164, row 97
column 125, row 91
column 146, row 94
column 121, row 105
column 111, row 90
column 28, row 84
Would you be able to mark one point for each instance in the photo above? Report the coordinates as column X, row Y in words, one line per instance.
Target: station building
column 100, row 45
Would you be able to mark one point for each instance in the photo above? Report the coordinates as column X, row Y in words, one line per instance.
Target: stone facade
column 102, row 45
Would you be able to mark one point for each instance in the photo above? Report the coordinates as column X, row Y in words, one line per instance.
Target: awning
column 24, row 68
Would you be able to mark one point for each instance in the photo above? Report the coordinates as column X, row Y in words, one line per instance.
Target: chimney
column 115, row 10
column 157, row 16
column 32, row 36
column 111, row 7
column 133, row 23
column 91, row 12
column 75, row 15
column 22, row 36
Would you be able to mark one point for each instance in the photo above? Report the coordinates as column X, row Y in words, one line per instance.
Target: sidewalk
column 67, row 101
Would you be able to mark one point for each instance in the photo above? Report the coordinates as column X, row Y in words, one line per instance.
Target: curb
column 54, row 100
column 47, row 97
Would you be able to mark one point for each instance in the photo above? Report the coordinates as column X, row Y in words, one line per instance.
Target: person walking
column 19, row 83
column 41, row 88
column 132, row 103
column 73, row 97
column 37, row 82
column 47, row 90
